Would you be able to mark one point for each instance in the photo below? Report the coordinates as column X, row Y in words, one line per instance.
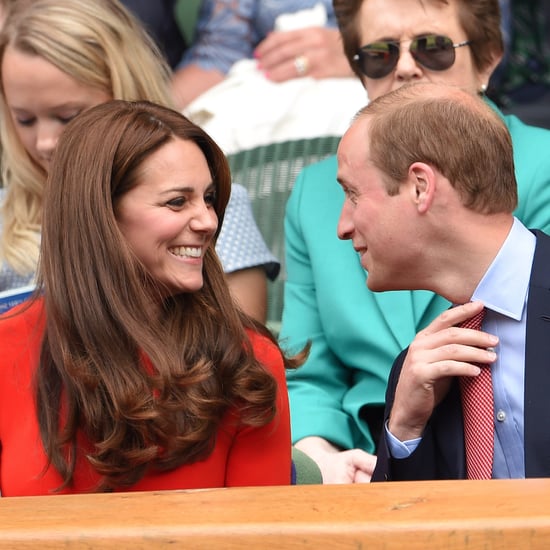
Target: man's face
column 379, row 225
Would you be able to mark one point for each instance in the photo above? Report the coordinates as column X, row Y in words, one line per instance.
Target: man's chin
column 377, row 284
column 375, row 288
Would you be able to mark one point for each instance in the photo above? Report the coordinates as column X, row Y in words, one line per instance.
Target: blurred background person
column 228, row 31
column 521, row 84
column 160, row 21
column 59, row 58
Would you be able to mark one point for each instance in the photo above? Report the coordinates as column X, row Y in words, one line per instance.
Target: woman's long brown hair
column 92, row 377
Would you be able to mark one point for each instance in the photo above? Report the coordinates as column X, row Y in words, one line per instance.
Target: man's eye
column 350, row 195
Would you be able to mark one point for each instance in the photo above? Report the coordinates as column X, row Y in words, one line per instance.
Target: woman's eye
column 178, row 202
column 25, row 121
column 210, row 198
column 66, row 119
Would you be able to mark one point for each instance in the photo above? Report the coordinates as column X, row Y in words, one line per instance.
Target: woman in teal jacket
column 337, row 395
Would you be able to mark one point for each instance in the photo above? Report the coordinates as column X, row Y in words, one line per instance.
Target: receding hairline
column 424, row 93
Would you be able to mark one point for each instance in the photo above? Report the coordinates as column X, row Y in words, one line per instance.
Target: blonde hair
column 98, row 43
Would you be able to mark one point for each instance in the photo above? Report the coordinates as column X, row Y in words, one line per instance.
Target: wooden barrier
column 504, row 514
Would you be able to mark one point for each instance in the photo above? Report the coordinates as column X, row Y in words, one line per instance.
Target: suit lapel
column 537, row 364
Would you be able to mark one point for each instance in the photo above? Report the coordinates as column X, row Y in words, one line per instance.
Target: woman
column 58, row 58
column 337, row 396
column 131, row 369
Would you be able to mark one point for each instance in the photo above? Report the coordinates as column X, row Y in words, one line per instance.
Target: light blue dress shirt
column 504, row 291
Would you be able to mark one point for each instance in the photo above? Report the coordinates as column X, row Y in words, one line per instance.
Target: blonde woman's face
column 42, row 100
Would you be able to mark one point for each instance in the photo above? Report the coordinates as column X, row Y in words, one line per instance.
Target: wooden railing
column 507, row 514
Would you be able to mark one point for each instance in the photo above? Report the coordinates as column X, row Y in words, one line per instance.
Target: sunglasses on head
column 432, row 51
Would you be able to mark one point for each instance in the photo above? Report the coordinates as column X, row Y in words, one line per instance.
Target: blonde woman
column 59, row 58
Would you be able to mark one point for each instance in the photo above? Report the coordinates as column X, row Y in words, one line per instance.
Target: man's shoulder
column 540, row 275
column 543, row 240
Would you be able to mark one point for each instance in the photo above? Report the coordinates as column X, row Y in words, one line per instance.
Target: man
column 428, row 175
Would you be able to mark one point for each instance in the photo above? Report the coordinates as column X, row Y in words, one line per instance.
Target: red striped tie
column 478, row 410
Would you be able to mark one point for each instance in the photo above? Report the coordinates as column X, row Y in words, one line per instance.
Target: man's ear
column 422, row 185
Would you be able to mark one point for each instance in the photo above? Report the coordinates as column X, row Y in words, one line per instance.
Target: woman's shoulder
column 22, row 324
column 526, row 138
column 240, row 244
column 326, row 168
column 261, row 343
column 266, row 351
column 318, row 180
column 21, row 331
column 12, row 281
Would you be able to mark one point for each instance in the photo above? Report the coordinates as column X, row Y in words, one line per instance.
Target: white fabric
column 247, row 109
column 313, row 17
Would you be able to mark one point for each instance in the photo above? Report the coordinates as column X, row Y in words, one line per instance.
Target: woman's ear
column 486, row 73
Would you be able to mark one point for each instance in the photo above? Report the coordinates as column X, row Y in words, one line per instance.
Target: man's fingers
column 453, row 316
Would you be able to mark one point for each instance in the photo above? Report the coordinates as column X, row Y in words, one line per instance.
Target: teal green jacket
column 355, row 333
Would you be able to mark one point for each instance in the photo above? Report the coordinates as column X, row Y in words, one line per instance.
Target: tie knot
column 474, row 322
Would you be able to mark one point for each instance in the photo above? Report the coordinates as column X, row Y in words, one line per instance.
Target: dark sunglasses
column 432, row 51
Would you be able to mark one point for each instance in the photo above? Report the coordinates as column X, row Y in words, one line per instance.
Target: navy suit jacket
column 441, row 454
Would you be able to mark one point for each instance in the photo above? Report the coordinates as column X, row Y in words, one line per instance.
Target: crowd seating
column 268, row 172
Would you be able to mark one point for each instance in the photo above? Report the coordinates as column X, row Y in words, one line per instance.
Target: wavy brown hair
column 480, row 20
column 100, row 330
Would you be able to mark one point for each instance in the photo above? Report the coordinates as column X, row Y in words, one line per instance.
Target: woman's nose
column 46, row 138
column 205, row 219
column 407, row 67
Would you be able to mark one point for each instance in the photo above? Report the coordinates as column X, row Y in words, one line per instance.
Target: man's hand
column 437, row 354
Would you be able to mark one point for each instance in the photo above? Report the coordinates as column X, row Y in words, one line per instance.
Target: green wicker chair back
column 268, row 172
